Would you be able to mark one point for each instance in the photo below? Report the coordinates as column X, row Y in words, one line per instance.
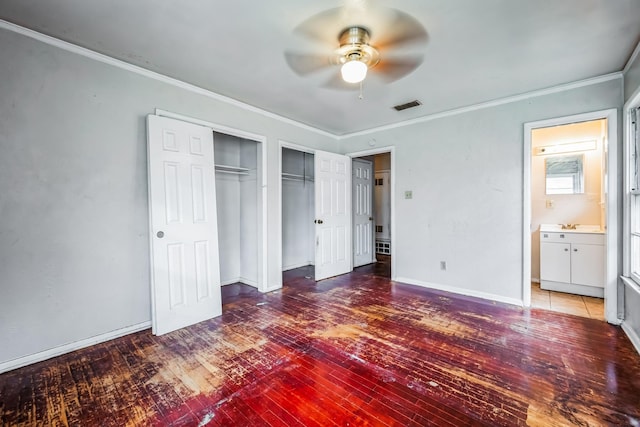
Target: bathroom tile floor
column 567, row 303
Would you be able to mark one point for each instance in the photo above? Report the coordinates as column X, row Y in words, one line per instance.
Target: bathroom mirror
column 564, row 174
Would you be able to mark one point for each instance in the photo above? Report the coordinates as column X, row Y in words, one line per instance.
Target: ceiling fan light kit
column 354, row 71
column 355, row 54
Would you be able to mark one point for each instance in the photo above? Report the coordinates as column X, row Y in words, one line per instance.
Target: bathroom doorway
column 569, row 248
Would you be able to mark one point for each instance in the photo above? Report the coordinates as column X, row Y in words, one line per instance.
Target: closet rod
column 235, row 168
column 232, row 172
column 294, row 177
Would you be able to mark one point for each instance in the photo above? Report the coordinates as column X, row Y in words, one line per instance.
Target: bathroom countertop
column 557, row 228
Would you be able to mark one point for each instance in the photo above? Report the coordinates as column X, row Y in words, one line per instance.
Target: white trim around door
column 392, row 179
column 612, row 227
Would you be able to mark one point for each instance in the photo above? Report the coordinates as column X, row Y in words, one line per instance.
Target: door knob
column 318, row 221
column 160, row 234
column 370, row 218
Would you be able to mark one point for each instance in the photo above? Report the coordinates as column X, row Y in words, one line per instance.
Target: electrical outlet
column 443, row 265
column 408, row 194
column 549, row 204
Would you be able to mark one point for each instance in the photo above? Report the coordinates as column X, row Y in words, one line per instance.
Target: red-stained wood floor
column 353, row 350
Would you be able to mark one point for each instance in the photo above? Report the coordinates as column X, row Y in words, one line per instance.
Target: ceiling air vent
column 411, row 104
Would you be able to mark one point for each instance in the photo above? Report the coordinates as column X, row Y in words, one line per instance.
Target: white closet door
column 362, row 212
column 185, row 280
column 333, row 214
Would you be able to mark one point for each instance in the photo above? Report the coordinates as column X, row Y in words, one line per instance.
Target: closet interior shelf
column 236, row 170
column 296, row 177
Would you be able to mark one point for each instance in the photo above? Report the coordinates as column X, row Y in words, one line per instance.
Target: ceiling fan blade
column 394, row 69
column 304, row 64
column 324, row 26
column 401, row 29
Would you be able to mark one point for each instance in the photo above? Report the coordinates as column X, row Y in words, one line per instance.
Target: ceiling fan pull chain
column 360, row 96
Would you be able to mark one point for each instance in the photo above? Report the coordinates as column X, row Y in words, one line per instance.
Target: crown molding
column 88, row 53
column 489, row 104
column 632, row 58
column 91, row 54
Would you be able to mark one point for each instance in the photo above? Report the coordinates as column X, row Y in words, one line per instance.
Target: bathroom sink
column 575, row 228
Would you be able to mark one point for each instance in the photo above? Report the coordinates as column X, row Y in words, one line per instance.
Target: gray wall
column 74, row 251
column 466, row 174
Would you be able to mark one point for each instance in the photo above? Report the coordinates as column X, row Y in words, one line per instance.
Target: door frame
column 262, row 252
column 392, row 178
column 612, row 314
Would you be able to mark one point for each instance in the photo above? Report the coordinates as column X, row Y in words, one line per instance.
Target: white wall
column 74, row 244
column 466, row 174
column 586, row 208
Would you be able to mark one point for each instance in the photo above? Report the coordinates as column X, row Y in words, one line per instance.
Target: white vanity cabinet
column 572, row 262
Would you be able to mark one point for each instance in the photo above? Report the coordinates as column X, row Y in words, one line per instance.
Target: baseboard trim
column 460, row 291
column 535, row 280
column 292, row 266
column 248, row 282
column 632, row 334
column 68, row 348
column 252, row 283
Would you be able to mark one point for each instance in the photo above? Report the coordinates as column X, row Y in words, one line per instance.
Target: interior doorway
column 315, row 192
column 567, row 218
column 198, row 169
column 381, row 224
column 570, row 247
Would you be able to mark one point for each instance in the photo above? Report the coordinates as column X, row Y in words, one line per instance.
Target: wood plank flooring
column 355, row 350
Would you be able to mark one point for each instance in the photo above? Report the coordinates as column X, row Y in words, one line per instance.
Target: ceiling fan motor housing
column 354, row 45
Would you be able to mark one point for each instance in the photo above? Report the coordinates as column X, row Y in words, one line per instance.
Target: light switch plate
column 408, row 194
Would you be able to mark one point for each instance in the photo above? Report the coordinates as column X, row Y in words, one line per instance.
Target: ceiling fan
column 359, row 40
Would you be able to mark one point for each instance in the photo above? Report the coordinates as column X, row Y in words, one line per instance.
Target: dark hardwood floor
column 353, row 350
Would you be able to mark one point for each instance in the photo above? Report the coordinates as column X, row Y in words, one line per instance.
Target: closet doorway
column 207, row 216
column 238, row 184
column 298, row 209
column 315, row 211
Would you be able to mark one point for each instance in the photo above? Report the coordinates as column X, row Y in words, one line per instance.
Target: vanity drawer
column 584, row 238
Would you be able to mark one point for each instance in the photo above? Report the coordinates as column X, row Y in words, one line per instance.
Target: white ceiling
column 476, row 51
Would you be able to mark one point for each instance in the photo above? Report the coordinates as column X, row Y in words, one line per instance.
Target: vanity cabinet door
column 587, row 267
column 555, row 262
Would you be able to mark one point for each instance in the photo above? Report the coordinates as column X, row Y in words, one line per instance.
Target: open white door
column 362, row 212
column 333, row 214
column 185, row 275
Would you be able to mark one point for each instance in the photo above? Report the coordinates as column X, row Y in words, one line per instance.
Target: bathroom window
column 564, row 174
